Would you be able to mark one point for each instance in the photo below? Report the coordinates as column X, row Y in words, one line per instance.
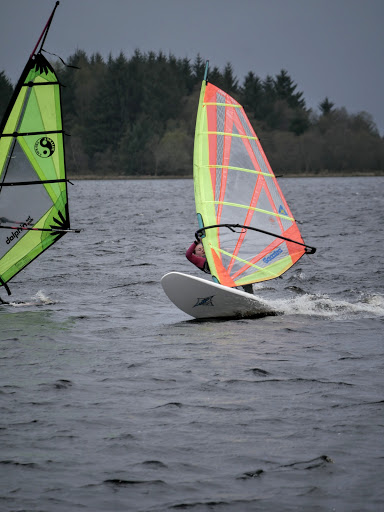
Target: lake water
column 112, row 399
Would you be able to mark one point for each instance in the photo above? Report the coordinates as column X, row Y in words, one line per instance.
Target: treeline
column 135, row 117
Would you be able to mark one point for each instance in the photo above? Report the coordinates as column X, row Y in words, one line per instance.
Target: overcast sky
column 330, row 48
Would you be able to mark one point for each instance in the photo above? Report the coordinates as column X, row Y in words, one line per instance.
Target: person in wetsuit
column 196, row 255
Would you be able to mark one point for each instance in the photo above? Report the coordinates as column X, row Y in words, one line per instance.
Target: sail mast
column 44, row 32
column 206, row 71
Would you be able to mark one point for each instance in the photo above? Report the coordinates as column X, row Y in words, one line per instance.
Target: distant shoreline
column 325, row 174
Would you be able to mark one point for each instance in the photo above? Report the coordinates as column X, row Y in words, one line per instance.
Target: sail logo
column 204, row 301
column 282, row 210
column 15, row 234
column 44, row 147
column 273, row 255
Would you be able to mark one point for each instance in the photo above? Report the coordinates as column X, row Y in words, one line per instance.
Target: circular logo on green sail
column 44, row 147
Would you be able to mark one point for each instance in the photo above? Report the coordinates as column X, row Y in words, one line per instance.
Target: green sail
column 33, row 186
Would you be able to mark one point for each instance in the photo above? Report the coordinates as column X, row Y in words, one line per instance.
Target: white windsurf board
column 201, row 298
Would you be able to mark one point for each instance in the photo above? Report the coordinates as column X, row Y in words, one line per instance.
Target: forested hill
column 136, row 117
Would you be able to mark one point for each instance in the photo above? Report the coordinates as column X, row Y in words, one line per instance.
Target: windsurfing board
column 205, row 299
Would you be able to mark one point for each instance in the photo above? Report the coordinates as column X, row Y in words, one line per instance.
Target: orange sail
column 249, row 232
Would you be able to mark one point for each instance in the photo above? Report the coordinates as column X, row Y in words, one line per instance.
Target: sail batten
column 227, row 105
column 247, row 207
column 27, row 134
column 225, row 134
column 241, row 169
column 235, row 186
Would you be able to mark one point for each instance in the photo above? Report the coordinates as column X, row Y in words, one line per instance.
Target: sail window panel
column 239, row 213
column 280, row 253
column 21, row 206
column 229, row 240
column 19, row 168
column 228, row 243
column 6, row 145
column 277, row 199
column 239, row 188
column 240, row 156
column 241, row 192
column 220, row 114
column 219, row 128
column 241, row 269
column 259, row 157
column 245, row 263
column 219, row 162
column 237, row 204
column 263, row 251
column 276, row 195
column 259, row 220
column 270, row 218
column 237, row 116
column 233, row 215
column 22, row 201
column 245, row 123
column 219, row 151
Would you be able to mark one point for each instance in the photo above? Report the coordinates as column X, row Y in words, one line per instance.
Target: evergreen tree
column 198, row 68
column 215, row 77
column 186, row 74
column 267, row 111
column 134, row 86
column 285, row 90
column 230, row 82
column 326, row 107
column 296, row 114
column 88, row 104
column 252, row 95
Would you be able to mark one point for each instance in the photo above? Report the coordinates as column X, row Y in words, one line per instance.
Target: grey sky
column 330, row 48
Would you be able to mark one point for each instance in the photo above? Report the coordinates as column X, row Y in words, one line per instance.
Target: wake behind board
column 204, row 299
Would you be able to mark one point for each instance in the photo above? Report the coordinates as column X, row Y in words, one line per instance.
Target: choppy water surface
column 111, row 399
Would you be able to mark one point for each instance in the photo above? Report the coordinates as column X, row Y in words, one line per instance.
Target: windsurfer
column 196, row 255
